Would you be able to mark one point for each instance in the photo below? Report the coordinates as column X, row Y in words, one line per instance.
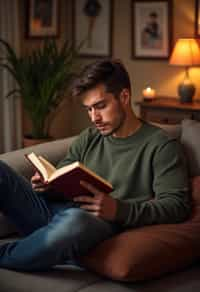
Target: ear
column 125, row 96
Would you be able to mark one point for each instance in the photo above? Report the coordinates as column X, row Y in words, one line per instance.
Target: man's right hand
column 37, row 183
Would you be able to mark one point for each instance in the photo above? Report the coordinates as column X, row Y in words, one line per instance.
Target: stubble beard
column 117, row 127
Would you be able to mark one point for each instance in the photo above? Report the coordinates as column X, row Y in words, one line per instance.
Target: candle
column 149, row 93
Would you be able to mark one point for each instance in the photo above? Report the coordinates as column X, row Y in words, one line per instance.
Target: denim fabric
column 55, row 232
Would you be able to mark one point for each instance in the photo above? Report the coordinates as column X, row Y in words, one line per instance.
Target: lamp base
column 186, row 92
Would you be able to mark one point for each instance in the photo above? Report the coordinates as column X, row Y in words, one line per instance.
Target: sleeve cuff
column 123, row 212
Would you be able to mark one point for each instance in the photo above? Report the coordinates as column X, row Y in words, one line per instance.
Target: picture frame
column 42, row 18
column 197, row 18
column 151, row 29
column 92, row 27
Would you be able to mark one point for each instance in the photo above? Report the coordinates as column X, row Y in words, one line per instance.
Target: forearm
column 168, row 208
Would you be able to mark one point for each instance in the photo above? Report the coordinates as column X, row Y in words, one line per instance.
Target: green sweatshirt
column 147, row 171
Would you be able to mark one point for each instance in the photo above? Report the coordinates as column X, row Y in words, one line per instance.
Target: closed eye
column 97, row 106
column 100, row 105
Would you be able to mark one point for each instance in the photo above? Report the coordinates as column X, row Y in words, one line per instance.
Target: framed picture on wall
column 92, row 27
column 151, row 29
column 42, row 18
column 197, row 18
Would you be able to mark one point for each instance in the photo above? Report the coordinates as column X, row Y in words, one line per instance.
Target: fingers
column 86, row 199
column 89, row 199
column 90, row 204
column 36, row 177
column 91, row 208
column 90, row 187
column 39, row 187
column 99, row 205
column 37, row 183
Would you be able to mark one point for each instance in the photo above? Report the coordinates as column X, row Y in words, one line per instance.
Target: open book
column 66, row 180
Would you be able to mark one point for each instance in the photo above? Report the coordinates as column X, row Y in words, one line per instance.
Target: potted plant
column 42, row 78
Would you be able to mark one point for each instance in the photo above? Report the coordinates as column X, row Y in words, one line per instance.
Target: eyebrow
column 94, row 105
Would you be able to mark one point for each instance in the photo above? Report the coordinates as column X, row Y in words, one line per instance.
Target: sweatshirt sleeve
column 76, row 149
column 171, row 201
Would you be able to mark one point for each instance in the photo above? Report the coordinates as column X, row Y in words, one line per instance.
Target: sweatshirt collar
column 129, row 139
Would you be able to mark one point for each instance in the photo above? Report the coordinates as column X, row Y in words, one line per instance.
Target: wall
column 158, row 74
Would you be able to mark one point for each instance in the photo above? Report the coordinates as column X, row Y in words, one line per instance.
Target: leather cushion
column 150, row 251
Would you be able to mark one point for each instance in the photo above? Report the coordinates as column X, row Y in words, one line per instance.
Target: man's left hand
column 100, row 205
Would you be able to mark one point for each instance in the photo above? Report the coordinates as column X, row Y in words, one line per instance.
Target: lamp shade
column 186, row 52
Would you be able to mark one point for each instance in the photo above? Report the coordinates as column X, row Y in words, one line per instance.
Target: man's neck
column 131, row 125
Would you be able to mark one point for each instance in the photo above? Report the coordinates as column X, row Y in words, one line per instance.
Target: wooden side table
column 168, row 110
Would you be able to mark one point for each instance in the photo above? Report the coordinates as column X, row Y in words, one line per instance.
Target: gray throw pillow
column 190, row 139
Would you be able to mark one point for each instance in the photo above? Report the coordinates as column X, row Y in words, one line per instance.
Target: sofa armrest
column 53, row 151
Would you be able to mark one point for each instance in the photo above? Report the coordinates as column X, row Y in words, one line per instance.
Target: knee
column 68, row 225
column 75, row 220
column 78, row 217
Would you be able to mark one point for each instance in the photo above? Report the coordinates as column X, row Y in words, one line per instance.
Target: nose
column 95, row 115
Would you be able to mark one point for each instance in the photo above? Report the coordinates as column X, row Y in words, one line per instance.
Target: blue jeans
column 54, row 232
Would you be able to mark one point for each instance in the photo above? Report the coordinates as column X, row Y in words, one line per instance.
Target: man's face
column 105, row 110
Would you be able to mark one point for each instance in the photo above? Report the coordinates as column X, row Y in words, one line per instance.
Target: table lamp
column 186, row 53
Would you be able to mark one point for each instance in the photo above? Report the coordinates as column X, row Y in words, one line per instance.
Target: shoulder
column 88, row 134
column 159, row 140
column 165, row 148
column 158, row 136
column 85, row 138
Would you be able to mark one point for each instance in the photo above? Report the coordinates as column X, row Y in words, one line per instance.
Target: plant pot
column 28, row 141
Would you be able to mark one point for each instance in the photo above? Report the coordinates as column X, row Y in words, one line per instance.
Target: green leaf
column 43, row 78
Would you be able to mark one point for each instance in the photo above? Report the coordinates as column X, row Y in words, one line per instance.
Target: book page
column 64, row 169
column 38, row 165
column 50, row 169
column 74, row 165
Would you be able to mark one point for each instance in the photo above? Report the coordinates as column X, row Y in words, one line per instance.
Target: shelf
column 168, row 110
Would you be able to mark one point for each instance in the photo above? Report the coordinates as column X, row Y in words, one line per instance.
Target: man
column 143, row 164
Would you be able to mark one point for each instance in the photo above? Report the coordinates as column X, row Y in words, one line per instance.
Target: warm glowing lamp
column 186, row 53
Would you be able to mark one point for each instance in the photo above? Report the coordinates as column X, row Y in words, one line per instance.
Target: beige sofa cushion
column 53, row 151
column 173, row 130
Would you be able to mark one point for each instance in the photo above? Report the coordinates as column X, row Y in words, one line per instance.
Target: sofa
column 153, row 258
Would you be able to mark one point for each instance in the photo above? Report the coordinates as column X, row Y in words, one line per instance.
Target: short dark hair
column 110, row 73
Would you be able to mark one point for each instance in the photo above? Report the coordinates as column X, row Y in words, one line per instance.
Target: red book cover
column 69, row 183
column 66, row 180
